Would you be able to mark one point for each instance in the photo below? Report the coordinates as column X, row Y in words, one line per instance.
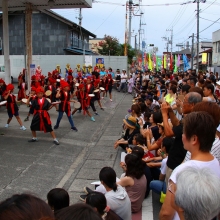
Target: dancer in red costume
column 22, row 88
column 64, row 106
column 83, row 98
column 2, row 89
column 11, row 106
column 41, row 120
column 108, row 86
column 97, row 94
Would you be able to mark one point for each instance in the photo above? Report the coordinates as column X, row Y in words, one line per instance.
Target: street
column 75, row 163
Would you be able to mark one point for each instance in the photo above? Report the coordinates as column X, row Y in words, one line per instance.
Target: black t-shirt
column 129, row 137
column 177, row 152
column 155, row 132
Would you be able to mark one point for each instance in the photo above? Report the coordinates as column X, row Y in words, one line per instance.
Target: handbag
column 162, row 195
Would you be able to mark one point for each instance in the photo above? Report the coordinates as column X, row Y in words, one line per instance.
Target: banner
column 204, row 58
column 88, row 60
column 99, row 62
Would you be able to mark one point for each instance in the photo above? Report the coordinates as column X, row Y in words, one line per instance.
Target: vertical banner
column 88, row 61
column 204, row 58
column 99, row 62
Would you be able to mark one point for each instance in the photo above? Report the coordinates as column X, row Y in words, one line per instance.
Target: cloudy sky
column 109, row 19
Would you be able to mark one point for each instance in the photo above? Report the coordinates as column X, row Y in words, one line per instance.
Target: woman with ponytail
column 98, row 201
column 116, row 196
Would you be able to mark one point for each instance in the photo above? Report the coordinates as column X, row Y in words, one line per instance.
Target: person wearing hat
column 2, row 89
column 41, row 119
column 131, row 128
column 82, row 97
column 11, row 106
column 31, row 97
column 64, row 95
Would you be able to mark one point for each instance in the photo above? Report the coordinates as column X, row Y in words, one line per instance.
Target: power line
column 208, row 6
column 209, row 25
column 209, row 20
column 180, row 9
column 180, row 15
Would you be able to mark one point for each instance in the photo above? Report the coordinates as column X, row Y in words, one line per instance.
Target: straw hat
column 130, row 122
column 161, row 124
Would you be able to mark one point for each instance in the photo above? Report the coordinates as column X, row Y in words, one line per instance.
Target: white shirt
column 119, row 202
column 123, row 76
column 164, row 166
column 212, row 165
column 215, row 151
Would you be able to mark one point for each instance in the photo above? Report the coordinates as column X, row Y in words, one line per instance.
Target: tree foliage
column 111, row 46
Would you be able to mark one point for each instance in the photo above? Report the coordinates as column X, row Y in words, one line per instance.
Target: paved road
column 75, row 163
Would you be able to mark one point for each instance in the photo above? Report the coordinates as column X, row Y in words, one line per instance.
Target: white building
column 216, row 50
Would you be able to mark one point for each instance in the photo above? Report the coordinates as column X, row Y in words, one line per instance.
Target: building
column 204, row 47
column 94, row 43
column 216, row 50
column 52, row 34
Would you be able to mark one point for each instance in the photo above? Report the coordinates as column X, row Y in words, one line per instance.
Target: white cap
column 218, row 83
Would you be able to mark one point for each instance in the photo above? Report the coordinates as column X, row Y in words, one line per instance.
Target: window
column 218, row 47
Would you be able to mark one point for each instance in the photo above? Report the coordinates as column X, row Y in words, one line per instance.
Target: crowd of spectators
column 170, row 145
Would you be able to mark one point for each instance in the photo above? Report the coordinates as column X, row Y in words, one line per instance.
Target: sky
column 109, row 19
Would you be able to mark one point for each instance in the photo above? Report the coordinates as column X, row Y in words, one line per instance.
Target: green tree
column 130, row 52
column 109, row 45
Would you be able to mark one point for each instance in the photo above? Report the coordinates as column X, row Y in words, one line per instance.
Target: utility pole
column 197, row 57
column 126, row 31
column 192, row 50
column 171, row 42
column 135, row 42
column 139, row 46
column 130, row 17
column 80, row 17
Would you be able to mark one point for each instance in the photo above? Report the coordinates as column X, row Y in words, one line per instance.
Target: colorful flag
column 150, row 63
column 178, row 61
column 165, row 61
column 185, row 62
column 175, row 65
column 171, row 62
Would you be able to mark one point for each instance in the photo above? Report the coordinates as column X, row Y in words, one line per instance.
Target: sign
column 88, row 60
column 99, row 62
column 32, row 69
column 204, row 58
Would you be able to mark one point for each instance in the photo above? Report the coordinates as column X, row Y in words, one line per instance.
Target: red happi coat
column 41, row 119
column 52, row 97
column 11, row 104
column 108, row 84
column 82, row 97
column 21, row 92
column 64, row 106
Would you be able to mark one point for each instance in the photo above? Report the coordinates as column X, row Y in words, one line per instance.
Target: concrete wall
column 49, row 62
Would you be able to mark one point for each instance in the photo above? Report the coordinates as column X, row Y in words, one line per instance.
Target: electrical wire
column 208, row 6
column 107, row 17
column 175, row 17
column 209, row 25
column 180, row 15
column 209, row 20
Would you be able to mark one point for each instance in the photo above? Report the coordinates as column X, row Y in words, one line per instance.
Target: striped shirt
column 215, row 151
